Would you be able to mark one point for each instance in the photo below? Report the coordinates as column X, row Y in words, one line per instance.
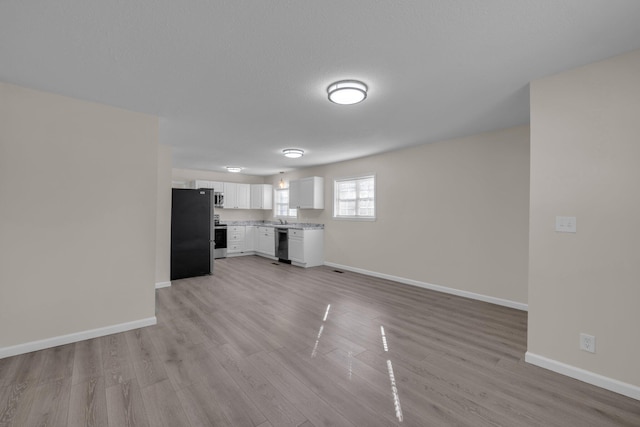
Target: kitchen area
column 241, row 221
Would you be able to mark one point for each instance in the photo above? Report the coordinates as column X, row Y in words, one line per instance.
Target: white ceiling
column 235, row 82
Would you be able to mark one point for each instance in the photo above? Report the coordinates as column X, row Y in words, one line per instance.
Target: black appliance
column 218, row 199
column 220, row 249
column 282, row 245
column 191, row 252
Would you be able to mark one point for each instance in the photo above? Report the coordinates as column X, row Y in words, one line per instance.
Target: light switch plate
column 566, row 224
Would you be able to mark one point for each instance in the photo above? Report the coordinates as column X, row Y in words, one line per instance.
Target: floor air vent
column 338, row 271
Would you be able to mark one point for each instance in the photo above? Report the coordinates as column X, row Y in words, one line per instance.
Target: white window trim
column 375, row 198
column 275, row 206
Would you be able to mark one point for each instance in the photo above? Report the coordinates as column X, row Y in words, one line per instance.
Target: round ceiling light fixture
column 347, row 92
column 293, row 153
column 233, row 169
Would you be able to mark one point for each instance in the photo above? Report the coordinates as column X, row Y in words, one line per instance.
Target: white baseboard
column 452, row 291
column 589, row 377
column 75, row 337
column 162, row 285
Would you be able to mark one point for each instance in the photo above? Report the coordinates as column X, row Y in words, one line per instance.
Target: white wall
column 77, row 216
column 163, row 217
column 453, row 213
column 585, row 134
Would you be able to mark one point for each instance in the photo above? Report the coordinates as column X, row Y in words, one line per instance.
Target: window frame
column 356, row 217
column 275, row 205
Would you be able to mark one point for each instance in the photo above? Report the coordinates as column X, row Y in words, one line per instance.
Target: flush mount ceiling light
column 233, row 169
column 293, row 153
column 347, row 92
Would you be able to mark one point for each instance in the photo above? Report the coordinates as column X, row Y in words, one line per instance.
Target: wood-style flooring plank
column 146, row 359
column 309, row 403
column 58, row 363
column 87, row 363
column 117, row 364
column 88, row 404
column 218, row 385
column 162, row 406
column 50, row 405
column 125, row 407
column 203, row 409
column 15, row 403
column 267, row 398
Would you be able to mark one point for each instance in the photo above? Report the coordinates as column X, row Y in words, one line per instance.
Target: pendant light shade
column 347, row 92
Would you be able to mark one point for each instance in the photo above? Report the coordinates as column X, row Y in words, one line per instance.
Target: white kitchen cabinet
column 306, row 193
column 217, row 186
column 250, row 235
column 266, row 241
column 236, row 195
column 306, row 247
column 235, row 239
column 199, row 183
column 261, row 196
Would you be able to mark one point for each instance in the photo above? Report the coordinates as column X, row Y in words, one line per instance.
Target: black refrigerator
column 191, row 240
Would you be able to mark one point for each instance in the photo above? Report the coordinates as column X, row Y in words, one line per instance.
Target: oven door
column 220, row 238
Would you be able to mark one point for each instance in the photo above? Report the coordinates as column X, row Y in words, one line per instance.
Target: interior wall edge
column 583, row 375
column 438, row 288
column 28, row 347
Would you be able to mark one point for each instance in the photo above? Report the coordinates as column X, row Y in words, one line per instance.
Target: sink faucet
column 281, row 221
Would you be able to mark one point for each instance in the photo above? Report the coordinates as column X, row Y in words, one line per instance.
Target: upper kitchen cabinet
column 307, row 193
column 237, row 196
column 261, row 196
column 216, row 186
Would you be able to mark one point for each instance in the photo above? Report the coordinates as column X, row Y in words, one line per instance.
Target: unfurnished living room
column 296, row 213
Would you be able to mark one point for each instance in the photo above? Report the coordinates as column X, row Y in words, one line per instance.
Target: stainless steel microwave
column 218, row 199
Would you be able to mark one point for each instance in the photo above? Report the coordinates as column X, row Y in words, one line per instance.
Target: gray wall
column 585, row 148
column 77, row 215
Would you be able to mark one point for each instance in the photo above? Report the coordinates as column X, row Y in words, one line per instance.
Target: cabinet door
column 230, row 195
column 294, row 194
column 296, row 249
column 243, row 196
column 250, row 238
column 306, row 193
column 256, row 196
column 267, row 196
column 218, row 186
column 266, row 242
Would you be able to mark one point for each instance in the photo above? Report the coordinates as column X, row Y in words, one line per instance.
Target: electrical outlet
column 588, row 343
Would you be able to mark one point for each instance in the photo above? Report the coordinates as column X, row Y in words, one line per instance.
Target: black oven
column 220, row 239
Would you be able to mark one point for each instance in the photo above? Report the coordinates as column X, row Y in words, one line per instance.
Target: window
column 354, row 198
column 281, row 204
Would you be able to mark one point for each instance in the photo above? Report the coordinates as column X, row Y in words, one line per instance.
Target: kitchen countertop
column 294, row 225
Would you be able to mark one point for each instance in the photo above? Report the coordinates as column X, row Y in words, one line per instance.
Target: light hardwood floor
column 259, row 344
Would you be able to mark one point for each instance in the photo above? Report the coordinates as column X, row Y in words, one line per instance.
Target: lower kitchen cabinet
column 306, row 247
column 266, row 241
column 250, row 237
column 235, row 239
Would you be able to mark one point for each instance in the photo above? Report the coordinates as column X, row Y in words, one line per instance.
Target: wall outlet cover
column 588, row 343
